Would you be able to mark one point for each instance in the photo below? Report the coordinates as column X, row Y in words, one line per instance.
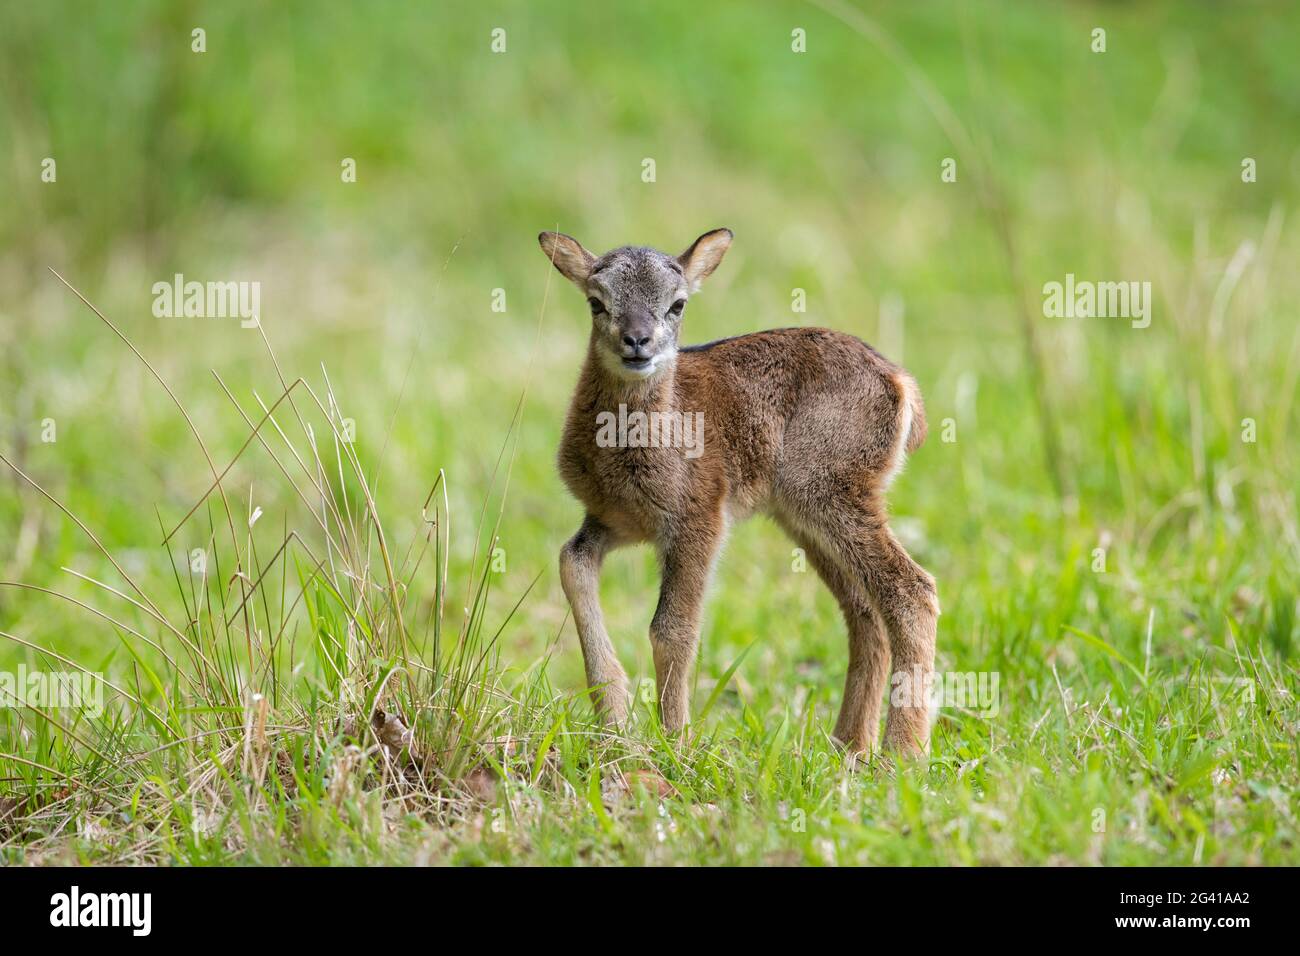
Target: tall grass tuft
column 301, row 676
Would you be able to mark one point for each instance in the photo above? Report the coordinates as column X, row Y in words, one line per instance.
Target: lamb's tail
column 917, row 427
column 910, row 427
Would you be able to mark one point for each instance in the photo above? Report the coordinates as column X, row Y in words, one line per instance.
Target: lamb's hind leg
column 864, row 683
column 909, row 603
column 904, row 596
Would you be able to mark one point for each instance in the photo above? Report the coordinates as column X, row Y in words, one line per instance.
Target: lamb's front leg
column 675, row 631
column 580, row 562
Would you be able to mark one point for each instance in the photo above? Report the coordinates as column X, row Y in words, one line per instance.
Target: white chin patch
column 614, row 364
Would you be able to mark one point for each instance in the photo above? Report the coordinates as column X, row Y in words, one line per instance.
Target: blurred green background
column 1122, row 165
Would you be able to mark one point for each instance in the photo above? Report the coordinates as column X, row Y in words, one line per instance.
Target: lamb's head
column 637, row 296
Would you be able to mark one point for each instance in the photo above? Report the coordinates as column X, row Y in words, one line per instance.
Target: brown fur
column 805, row 425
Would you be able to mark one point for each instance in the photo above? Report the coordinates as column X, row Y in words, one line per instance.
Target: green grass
column 1147, row 713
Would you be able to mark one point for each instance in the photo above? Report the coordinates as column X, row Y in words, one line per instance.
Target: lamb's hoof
column 856, row 757
column 906, row 751
column 906, row 740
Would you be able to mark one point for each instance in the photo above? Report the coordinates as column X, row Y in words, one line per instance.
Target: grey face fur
column 637, row 296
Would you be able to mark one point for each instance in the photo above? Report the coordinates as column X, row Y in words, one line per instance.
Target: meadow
column 314, row 558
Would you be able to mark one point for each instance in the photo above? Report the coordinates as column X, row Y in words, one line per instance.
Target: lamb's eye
column 677, row 307
column 597, row 306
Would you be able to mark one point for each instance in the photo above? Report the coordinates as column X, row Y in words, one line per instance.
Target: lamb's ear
column 703, row 256
column 567, row 254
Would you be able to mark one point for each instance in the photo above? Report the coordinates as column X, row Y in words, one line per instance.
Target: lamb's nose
column 633, row 343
